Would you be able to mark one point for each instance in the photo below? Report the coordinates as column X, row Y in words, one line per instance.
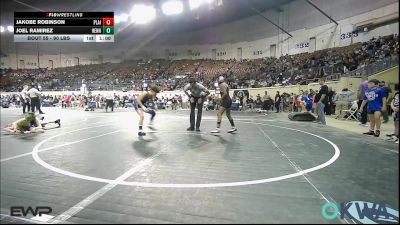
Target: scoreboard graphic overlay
column 63, row 26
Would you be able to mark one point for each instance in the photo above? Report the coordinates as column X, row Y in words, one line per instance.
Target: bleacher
column 285, row 70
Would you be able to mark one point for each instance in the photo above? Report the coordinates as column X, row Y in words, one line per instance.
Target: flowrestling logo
column 362, row 212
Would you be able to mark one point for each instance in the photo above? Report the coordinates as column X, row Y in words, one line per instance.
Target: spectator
column 250, row 102
column 180, row 101
column 342, row 100
column 395, row 107
column 278, row 99
column 321, row 100
column 97, row 100
column 386, row 91
column 258, row 100
column 361, row 97
column 330, row 107
column 265, row 100
column 298, row 102
column 306, row 103
column 285, row 102
column 291, row 102
column 55, row 102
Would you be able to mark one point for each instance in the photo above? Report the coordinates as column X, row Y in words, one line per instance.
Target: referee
column 34, row 95
column 196, row 98
column 26, row 105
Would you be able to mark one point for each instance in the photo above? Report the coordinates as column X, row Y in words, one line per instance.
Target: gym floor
column 95, row 169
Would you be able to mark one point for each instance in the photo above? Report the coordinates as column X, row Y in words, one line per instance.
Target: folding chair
column 351, row 114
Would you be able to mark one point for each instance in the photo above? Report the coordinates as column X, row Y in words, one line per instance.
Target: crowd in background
column 269, row 101
column 280, row 102
column 98, row 101
column 173, row 74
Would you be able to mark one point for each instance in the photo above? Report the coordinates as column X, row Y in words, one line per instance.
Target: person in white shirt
column 34, row 94
column 26, row 105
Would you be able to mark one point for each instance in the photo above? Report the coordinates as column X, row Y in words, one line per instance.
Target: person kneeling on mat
column 196, row 98
column 29, row 124
column 225, row 105
column 143, row 101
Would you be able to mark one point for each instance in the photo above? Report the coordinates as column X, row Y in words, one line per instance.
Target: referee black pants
column 26, row 106
column 198, row 102
column 110, row 103
column 35, row 104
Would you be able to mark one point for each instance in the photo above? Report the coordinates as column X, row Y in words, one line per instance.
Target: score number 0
column 108, row 24
column 108, row 21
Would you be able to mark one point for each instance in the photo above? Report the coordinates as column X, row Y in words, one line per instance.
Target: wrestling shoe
column 233, row 129
column 216, row 131
column 369, row 132
column 58, row 122
column 393, row 139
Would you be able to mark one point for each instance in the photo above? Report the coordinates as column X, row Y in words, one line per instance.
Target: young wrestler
column 225, row 105
column 143, row 101
column 29, row 124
